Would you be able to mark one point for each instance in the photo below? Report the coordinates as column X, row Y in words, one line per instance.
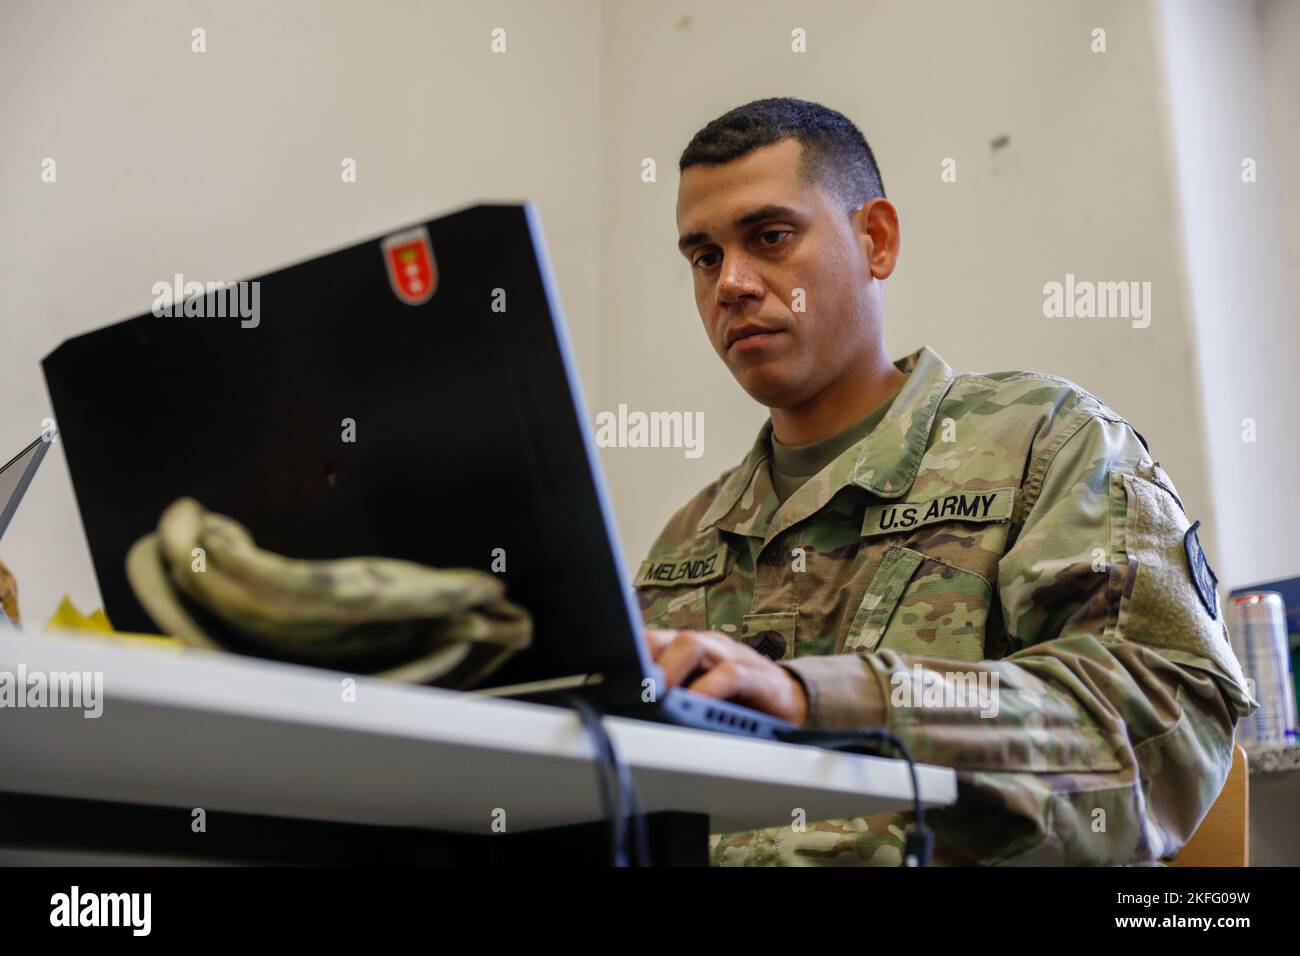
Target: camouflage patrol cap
column 202, row 579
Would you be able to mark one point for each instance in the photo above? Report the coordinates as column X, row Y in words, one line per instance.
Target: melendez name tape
column 693, row 570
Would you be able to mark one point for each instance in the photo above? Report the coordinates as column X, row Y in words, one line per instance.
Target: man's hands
column 713, row 664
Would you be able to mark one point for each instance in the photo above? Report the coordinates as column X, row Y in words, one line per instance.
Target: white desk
column 195, row 729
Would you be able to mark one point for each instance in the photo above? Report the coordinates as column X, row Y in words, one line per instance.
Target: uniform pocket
column 920, row 604
column 878, row 604
column 687, row 611
column 942, row 613
column 673, row 587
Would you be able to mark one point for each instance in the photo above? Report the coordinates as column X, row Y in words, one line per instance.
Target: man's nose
column 737, row 280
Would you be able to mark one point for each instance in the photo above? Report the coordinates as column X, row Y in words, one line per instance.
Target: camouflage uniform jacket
column 1004, row 527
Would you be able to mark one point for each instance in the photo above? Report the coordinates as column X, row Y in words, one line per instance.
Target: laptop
column 15, row 475
column 440, row 351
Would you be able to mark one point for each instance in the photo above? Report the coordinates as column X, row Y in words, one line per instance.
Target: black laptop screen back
column 467, row 435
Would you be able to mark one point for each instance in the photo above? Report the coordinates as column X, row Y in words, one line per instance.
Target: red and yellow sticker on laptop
column 411, row 270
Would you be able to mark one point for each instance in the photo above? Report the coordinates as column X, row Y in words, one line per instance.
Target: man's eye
column 779, row 233
column 700, row 263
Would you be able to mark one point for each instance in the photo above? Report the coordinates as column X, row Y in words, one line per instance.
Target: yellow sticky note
column 67, row 617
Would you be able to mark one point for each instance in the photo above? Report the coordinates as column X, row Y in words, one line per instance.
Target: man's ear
column 875, row 227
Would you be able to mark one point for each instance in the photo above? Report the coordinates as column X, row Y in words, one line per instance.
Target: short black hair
column 835, row 155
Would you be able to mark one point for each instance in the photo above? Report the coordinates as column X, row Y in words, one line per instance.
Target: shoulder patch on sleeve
column 1202, row 574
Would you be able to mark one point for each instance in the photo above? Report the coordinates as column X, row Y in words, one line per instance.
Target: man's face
column 755, row 236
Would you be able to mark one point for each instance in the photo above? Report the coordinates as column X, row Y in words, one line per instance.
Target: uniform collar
column 883, row 463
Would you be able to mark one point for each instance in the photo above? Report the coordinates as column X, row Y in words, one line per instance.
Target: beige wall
column 226, row 164
column 1233, row 91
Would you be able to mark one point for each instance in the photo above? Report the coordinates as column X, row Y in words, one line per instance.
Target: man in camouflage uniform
column 1005, row 531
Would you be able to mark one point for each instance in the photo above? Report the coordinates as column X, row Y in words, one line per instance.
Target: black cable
column 918, row 846
column 611, row 794
column 619, row 796
column 640, row 855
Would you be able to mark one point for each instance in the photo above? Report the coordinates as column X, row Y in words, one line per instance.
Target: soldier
column 991, row 566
